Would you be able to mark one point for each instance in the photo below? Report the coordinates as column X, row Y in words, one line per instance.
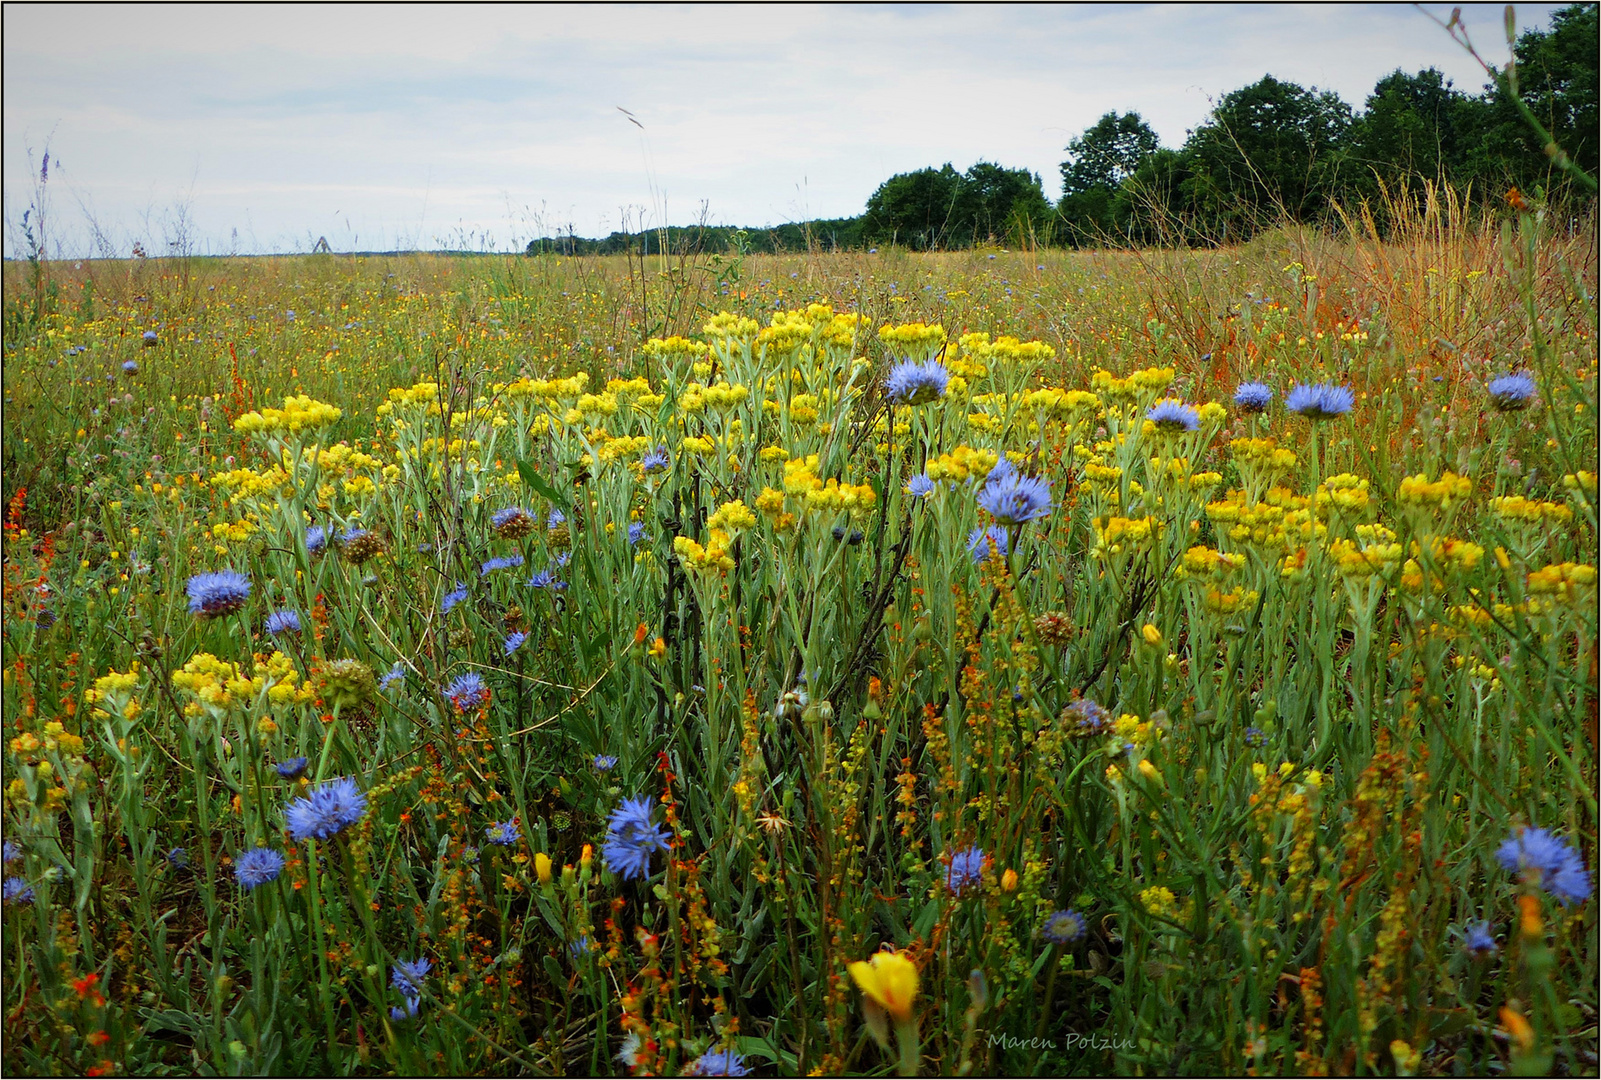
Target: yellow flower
column 542, row 868
column 890, row 980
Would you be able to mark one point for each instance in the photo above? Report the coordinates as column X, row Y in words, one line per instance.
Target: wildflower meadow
column 1019, row 662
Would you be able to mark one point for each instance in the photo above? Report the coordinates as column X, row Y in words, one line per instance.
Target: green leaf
column 531, row 477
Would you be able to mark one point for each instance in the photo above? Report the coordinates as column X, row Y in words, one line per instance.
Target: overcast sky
column 258, row 129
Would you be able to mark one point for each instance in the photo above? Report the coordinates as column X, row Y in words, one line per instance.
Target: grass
column 1260, row 713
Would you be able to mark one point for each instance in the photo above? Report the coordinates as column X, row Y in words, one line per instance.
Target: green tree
column 1413, row 126
column 997, row 203
column 941, row 208
column 917, row 209
column 1097, row 164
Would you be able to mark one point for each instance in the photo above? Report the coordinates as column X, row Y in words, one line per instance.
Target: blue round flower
column 501, row 518
column 504, row 833
column 979, row 540
column 1063, row 927
column 1253, row 397
column 452, row 598
column 222, row 593
column 178, row 858
column 352, row 534
column 655, row 461
column 407, row 975
column 966, row 870
column 283, row 622
column 130, row 367
column 605, row 763
column 920, row 486
column 467, row 691
column 1171, row 414
column 1321, row 401
column 257, row 867
column 1559, row 867
column 1254, row 737
column 503, row 562
column 16, row 891
column 545, row 579
column 1510, row 393
column 396, row 674
column 1087, row 719
column 556, row 518
column 330, row 809
column 151, row 337
column 1477, row 939
column 514, row 642
column 316, row 539
column 293, row 768
column 11, row 851
column 633, row 838
column 916, row 384
column 398, row 1013
column 636, row 532
column 1013, row 498
column 718, row 1063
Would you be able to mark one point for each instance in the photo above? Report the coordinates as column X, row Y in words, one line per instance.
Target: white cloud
column 406, row 124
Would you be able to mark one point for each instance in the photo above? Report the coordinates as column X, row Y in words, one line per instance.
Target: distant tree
column 1097, row 164
column 917, row 209
column 1268, row 150
column 1000, row 204
column 1413, row 126
column 941, row 208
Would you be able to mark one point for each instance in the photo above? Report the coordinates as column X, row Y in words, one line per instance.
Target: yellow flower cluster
column 213, row 682
column 731, row 517
column 567, row 389
column 1420, row 491
column 720, row 398
column 299, row 413
column 1280, row 522
column 53, row 737
column 1236, row 599
column 247, row 483
column 1142, row 385
column 913, row 336
column 676, row 348
column 801, row 480
column 1202, row 561
column 726, row 325
column 1517, row 508
column 1376, row 557
column 1346, row 491
column 714, row 556
column 961, row 463
column 112, row 693
column 1119, row 533
column 1012, row 351
column 1564, row 580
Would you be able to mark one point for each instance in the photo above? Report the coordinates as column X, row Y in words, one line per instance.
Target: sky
column 255, row 129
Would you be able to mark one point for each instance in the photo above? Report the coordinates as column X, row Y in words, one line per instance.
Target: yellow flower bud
column 542, row 868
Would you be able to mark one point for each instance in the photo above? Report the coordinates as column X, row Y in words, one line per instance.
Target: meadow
column 986, row 662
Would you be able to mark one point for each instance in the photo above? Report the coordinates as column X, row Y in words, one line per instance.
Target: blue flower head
column 1477, row 939
column 16, row 891
column 504, row 833
column 1172, row 415
column 546, row 579
column 396, row 674
column 467, row 691
column 605, row 763
column 916, row 384
column 718, row 1063
column 514, row 642
column 633, row 838
column 1255, row 737
column 151, row 337
column 636, row 532
column 293, row 768
column 452, row 598
column 504, row 562
column 330, row 809
column 1560, row 868
column 1253, row 397
column 398, row 1013
column 178, row 858
column 222, row 593
column 655, row 461
column 920, row 486
column 407, row 975
column 1087, row 719
column 11, row 851
column 1321, row 401
column 556, row 518
column 967, row 870
column 316, row 539
column 257, row 867
column 1510, row 393
column 979, row 540
column 1013, row 498
column 352, row 534
column 130, row 367
column 284, row 621
column 501, row 518
column 1063, row 927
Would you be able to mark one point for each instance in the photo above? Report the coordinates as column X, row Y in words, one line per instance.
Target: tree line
column 1268, row 152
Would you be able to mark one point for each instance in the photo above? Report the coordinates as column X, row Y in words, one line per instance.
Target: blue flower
column 1321, row 401
column 1087, row 718
column 1063, row 927
column 504, row 833
column 222, row 593
column 329, row 810
column 920, row 486
column 501, row 518
column 397, row 674
column 16, row 891
column 407, row 976
column 1013, row 498
column 409, row 1012
column 1253, row 397
column 579, row 948
column 130, row 367
column 656, row 460
column 1171, row 414
column 257, row 867
column 293, row 768
column 718, row 1063
column 546, row 579
column 467, row 691
column 1254, row 737
column 1560, row 867
column 556, row 518
column 283, row 622
column 452, row 598
column 916, row 384
column 967, row 870
column 633, row 838
column 178, row 858
column 636, row 532
column 504, row 562
column 1512, row 392
column 11, row 851
column 514, row 642
column 316, row 539
column 150, row 337
column 1477, row 939
column 605, row 763
column 978, row 542
column 352, row 534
